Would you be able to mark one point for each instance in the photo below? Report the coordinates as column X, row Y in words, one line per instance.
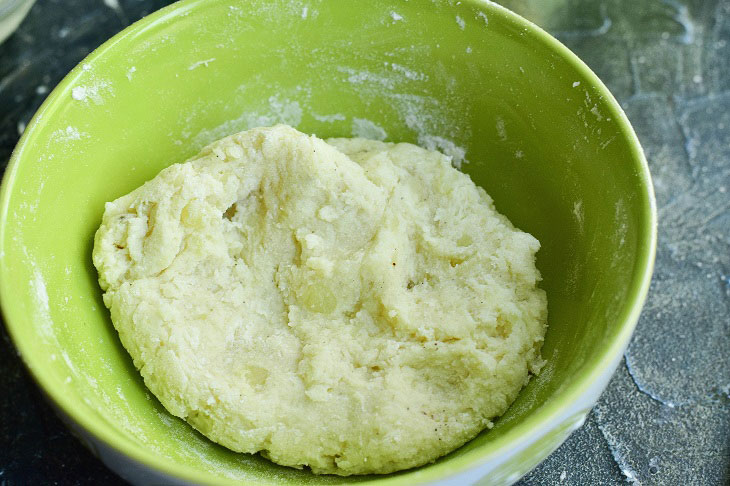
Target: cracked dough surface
column 351, row 305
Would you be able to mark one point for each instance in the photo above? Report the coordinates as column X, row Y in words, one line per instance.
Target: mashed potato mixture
column 349, row 305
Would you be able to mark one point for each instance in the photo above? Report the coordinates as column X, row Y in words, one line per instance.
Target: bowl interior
column 538, row 130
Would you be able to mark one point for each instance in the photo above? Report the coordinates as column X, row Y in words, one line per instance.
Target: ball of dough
column 351, row 305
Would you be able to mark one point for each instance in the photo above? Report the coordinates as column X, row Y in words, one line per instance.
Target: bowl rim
column 523, row 433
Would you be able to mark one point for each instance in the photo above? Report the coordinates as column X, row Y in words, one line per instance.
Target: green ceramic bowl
column 539, row 131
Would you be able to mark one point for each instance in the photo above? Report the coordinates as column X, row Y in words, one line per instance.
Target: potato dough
column 351, row 305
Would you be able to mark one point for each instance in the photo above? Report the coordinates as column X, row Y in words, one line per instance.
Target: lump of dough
column 352, row 306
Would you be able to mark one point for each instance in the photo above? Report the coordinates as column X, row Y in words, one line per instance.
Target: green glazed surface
column 541, row 134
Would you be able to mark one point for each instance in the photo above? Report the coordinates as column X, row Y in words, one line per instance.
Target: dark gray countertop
column 665, row 417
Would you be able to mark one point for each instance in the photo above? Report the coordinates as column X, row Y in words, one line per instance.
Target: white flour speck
column 484, row 17
column 92, row 92
column 408, row 73
column 364, row 128
column 501, row 130
column 66, row 135
column 305, row 11
column 329, row 118
column 367, row 77
column 130, row 72
column 519, row 154
column 468, row 49
column 201, row 63
column 607, row 142
column 41, row 89
column 78, row 93
column 40, row 295
column 578, row 213
column 447, row 147
column 563, row 475
column 460, row 22
column 630, row 476
column 395, row 16
column 576, row 84
column 622, row 226
column 596, row 113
